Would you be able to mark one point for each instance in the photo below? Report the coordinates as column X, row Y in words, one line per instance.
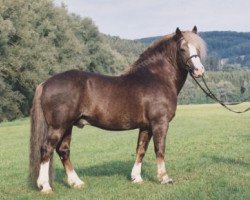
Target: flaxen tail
column 39, row 131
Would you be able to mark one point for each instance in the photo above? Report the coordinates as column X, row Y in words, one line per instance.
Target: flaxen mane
column 166, row 48
column 197, row 41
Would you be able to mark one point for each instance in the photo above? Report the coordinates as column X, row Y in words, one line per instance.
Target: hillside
column 129, row 49
column 227, row 46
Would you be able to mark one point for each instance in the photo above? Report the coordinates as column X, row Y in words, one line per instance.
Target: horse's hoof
column 137, row 179
column 76, row 182
column 45, row 188
column 79, row 185
column 46, row 191
column 166, row 180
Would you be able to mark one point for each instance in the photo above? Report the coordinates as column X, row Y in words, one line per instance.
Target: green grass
column 208, row 157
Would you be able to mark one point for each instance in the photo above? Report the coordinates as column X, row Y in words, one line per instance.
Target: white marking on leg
column 74, row 180
column 43, row 178
column 161, row 169
column 136, row 173
column 162, row 175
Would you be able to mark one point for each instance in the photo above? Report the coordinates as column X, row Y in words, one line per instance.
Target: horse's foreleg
column 63, row 150
column 47, row 150
column 159, row 136
column 142, row 145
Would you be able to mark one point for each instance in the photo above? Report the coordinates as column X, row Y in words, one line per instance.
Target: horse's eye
column 182, row 49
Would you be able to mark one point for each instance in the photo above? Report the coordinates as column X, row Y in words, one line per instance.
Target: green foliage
column 38, row 40
column 212, row 63
column 130, row 49
column 207, row 155
column 10, row 102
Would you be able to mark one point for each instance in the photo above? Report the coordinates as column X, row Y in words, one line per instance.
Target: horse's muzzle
column 198, row 72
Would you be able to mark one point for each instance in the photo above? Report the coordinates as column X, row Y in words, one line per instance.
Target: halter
column 188, row 67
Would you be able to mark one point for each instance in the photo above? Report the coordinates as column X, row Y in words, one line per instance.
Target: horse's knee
column 141, row 151
column 49, row 145
column 63, row 151
column 46, row 152
column 160, row 155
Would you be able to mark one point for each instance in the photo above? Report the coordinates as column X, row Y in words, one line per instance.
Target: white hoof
column 46, row 189
column 166, row 180
column 79, row 184
column 136, row 179
column 76, row 183
column 43, row 184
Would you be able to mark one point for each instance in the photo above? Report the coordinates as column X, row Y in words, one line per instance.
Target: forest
column 38, row 39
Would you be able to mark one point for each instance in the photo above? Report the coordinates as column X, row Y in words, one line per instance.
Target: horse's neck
column 176, row 76
column 167, row 73
column 182, row 76
column 163, row 65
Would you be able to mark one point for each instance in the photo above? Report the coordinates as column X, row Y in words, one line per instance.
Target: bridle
column 188, row 67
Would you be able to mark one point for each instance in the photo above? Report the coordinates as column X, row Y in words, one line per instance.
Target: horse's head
column 189, row 54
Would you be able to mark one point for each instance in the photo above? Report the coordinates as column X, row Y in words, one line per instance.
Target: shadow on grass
column 109, row 169
column 122, row 168
column 231, row 161
column 105, row 169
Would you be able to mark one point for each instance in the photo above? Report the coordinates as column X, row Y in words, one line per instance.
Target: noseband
column 187, row 66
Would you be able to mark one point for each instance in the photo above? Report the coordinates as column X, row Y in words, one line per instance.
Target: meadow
column 207, row 155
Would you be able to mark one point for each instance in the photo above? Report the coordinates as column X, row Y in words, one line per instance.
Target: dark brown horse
column 144, row 98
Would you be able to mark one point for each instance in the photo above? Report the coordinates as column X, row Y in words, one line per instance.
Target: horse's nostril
column 199, row 69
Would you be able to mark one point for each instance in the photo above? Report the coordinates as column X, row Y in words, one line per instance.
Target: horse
column 143, row 97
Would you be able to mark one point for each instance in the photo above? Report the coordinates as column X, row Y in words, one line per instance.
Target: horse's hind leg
column 142, row 145
column 47, row 149
column 63, row 150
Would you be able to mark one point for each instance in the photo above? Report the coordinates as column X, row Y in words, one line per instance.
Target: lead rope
column 212, row 96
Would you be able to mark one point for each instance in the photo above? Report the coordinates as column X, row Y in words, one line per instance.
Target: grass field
column 208, row 157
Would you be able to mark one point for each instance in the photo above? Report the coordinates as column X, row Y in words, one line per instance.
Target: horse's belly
column 114, row 122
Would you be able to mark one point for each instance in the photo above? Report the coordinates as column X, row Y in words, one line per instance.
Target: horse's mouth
column 197, row 75
column 198, row 72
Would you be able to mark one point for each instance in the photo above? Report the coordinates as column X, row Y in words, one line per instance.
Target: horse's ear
column 178, row 34
column 195, row 30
